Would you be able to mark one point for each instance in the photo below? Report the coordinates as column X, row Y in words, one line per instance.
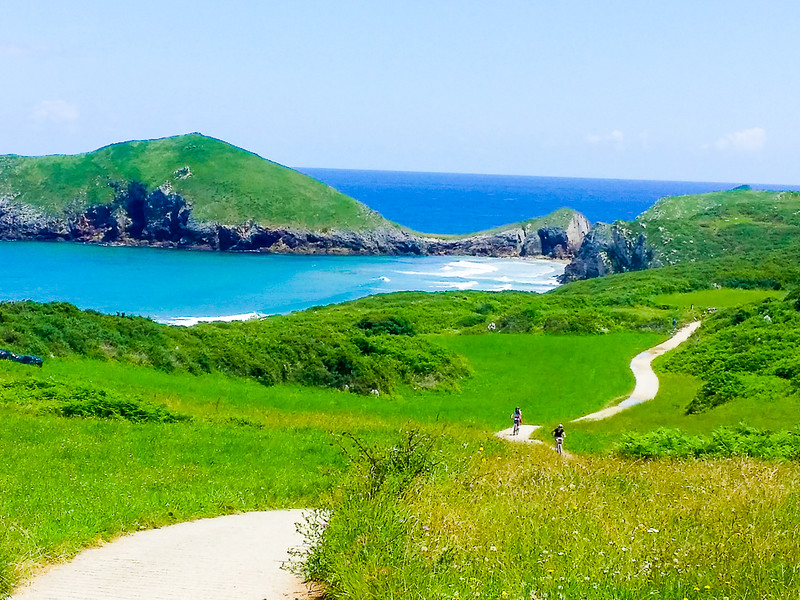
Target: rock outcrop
column 607, row 249
column 165, row 219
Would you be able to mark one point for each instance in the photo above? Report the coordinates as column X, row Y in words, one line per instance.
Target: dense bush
column 750, row 351
column 389, row 325
column 719, row 389
column 357, row 352
column 722, row 442
column 83, row 401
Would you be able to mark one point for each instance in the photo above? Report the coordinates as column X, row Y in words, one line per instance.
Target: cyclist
column 516, row 416
column 559, row 435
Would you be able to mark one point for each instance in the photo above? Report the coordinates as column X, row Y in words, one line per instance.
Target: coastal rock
column 606, row 249
column 162, row 218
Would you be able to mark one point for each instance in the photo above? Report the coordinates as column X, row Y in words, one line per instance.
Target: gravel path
column 646, row 386
column 236, row 557
column 646, row 380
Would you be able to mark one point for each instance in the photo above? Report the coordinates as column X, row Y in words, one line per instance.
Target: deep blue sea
column 460, row 203
column 179, row 286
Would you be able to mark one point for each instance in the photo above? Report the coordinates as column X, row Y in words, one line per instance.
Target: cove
column 182, row 287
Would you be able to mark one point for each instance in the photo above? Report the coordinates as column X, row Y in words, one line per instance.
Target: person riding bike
column 516, row 416
column 559, row 435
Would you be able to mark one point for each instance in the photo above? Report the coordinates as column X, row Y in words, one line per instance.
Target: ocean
column 462, row 203
column 182, row 287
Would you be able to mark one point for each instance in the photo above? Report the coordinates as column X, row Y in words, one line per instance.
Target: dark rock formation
column 162, row 218
column 610, row 249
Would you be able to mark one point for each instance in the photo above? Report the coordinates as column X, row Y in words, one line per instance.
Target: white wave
column 466, row 268
column 384, row 278
column 189, row 321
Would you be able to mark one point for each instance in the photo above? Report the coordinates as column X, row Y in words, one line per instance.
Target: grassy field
column 518, row 524
column 238, row 445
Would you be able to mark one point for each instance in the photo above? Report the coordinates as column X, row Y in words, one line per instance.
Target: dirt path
column 645, row 389
column 646, row 380
column 236, row 557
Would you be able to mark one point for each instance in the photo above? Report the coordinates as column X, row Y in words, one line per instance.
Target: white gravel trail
column 235, row 557
column 646, row 380
column 645, row 389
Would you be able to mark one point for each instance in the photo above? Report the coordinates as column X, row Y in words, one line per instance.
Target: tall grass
column 520, row 524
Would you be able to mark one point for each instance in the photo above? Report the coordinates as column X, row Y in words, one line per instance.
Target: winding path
column 645, row 389
column 238, row 557
column 235, row 557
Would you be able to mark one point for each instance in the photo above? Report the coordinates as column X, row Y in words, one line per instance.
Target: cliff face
column 610, row 249
column 165, row 219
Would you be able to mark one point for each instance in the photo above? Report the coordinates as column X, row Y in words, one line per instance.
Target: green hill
column 740, row 224
column 223, row 183
column 742, row 221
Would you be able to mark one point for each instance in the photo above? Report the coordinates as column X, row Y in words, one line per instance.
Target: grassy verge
column 516, row 523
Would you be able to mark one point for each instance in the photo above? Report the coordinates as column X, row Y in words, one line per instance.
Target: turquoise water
column 180, row 286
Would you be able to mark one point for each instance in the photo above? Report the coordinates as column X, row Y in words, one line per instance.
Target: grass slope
column 227, row 185
column 721, row 224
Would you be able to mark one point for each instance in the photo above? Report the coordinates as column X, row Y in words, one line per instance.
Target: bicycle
column 560, row 445
column 515, row 431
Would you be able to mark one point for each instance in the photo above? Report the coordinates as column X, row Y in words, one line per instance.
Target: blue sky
column 685, row 90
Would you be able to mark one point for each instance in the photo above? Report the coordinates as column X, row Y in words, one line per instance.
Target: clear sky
column 700, row 90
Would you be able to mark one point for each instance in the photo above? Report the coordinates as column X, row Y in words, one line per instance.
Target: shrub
column 389, row 325
column 723, row 442
column 719, row 389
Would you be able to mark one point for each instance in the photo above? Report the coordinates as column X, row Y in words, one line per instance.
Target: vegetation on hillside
column 746, row 351
column 359, row 356
column 223, row 183
column 740, row 223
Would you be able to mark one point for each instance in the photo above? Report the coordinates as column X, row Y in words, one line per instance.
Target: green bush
column 389, row 325
column 83, row 401
column 723, row 442
column 719, row 389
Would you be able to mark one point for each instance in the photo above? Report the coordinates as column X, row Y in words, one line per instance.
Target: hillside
column 194, row 191
column 685, row 229
column 223, row 183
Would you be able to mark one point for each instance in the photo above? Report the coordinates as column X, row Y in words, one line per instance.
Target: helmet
column 560, row 425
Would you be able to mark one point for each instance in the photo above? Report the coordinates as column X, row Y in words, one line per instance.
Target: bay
column 182, row 286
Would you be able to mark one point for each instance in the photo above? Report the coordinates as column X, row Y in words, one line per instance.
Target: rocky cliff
column 160, row 217
column 610, row 248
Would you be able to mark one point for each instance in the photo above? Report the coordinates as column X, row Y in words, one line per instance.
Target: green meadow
column 226, row 442
column 381, row 412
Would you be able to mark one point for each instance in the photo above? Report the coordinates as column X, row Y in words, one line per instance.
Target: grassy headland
column 737, row 223
column 224, row 184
